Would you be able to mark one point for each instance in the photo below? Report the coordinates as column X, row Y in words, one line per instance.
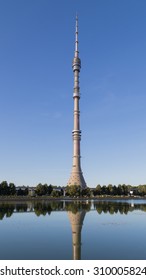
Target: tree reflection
column 46, row 207
column 21, row 207
column 75, row 206
column 42, row 209
column 117, row 207
column 6, row 210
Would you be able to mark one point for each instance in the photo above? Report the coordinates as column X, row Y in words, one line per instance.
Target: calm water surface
column 73, row 230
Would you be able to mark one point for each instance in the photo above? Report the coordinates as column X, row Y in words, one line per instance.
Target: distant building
column 31, row 191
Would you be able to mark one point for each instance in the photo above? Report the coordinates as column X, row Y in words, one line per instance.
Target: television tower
column 76, row 177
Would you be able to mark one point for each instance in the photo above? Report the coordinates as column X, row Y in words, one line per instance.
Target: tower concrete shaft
column 76, row 177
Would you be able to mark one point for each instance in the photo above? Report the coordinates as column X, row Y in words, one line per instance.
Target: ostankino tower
column 76, row 177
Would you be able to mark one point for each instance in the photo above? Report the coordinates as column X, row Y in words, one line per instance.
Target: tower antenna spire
column 76, row 38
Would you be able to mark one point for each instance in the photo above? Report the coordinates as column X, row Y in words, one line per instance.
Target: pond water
column 66, row 230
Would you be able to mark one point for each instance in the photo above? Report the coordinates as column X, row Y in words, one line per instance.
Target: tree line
column 72, row 191
column 120, row 190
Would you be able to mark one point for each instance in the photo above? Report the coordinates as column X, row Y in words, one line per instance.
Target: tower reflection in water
column 74, row 213
column 76, row 220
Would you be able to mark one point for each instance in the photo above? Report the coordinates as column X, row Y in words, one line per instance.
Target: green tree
column 142, row 190
column 12, row 189
column 97, row 190
column 86, row 192
column 55, row 193
column 73, row 190
column 4, row 189
column 49, row 189
column 110, row 189
column 41, row 189
column 103, row 190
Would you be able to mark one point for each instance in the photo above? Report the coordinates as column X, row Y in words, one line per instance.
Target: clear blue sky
column 36, row 87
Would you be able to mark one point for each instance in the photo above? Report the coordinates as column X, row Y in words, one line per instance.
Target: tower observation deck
column 76, row 177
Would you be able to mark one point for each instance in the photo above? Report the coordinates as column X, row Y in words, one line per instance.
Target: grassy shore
column 49, row 198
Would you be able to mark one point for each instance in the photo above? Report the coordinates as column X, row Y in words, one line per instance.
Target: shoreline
column 47, row 198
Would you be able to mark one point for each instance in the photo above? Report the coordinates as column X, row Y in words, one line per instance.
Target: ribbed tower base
column 77, row 178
